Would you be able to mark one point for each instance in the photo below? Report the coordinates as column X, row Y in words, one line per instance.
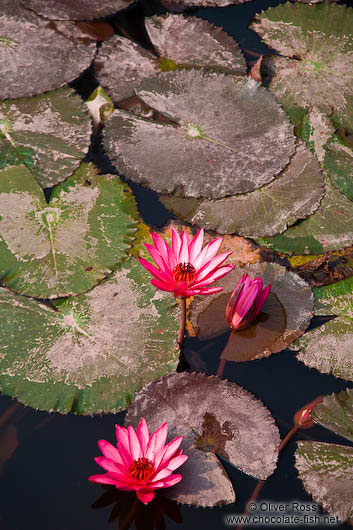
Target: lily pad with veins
column 329, row 228
column 49, row 133
column 66, row 246
column 324, row 468
column 201, row 3
column 180, row 43
column 284, row 317
column 226, row 135
column 34, row 56
column 328, row 348
column 213, row 416
column 314, row 61
column 95, row 352
column 78, row 10
column 266, row 211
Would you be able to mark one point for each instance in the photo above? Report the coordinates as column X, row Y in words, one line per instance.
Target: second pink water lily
column 186, row 269
column 246, row 302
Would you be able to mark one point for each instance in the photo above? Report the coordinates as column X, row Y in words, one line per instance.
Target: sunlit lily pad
column 201, row 3
column 329, row 228
column 339, row 165
column 49, row 133
column 77, row 10
column 226, row 420
column 285, row 316
column 326, row 471
column 328, row 348
column 68, row 245
column 315, row 43
column 96, row 352
column 179, row 42
column 264, row 212
column 227, row 135
column 336, row 413
column 34, row 56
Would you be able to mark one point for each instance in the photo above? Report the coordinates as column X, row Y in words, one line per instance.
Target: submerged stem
column 181, row 333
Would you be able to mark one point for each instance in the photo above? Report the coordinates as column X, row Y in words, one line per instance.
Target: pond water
column 45, row 459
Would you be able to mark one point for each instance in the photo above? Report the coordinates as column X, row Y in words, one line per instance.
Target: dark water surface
column 45, row 459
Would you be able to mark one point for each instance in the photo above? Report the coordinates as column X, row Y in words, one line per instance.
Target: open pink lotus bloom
column 246, row 302
column 140, row 462
column 186, row 269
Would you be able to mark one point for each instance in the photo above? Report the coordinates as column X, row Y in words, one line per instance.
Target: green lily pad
column 315, row 46
column 179, row 42
column 78, row 10
column 66, row 246
column 328, row 348
column 264, row 212
column 226, row 135
column 95, row 352
column 284, row 318
column 99, row 105
column 34, row 56
column 49, row 133
column 339, row 165
column 329, row 228
column 336, row 413
column 326, row 472
column 228, row 421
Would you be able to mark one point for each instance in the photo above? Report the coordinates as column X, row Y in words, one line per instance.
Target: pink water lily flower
column 246, row 302
column 140, row 462
column 186, row 269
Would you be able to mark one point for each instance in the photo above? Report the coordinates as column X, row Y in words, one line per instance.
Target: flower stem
column 181, row 333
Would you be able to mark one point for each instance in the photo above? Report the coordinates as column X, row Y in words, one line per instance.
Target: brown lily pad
column 228, row 421
column 34, row 56
column 285, row 316
column 77, row 10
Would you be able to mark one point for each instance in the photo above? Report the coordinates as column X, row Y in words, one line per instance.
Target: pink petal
column 233, row 300
column 176, row 244
column 159, row 261
column 196, row 246
column 122, row 436
column 134, row 444
column 145, row 496
column 261, row 299
column 170, row 481
column 211, row 266
column 163, row 473
column 163, row 286
column 156, row 441
column 102, row 479
column 214, row 276
column 109, row 451
column 153, row 270
column 176, row 462
column 143, row 434
column 209, row 290
column 172, row 447
column 208, row 253
column 109, row 465
column 163, row 248
column 184, row 249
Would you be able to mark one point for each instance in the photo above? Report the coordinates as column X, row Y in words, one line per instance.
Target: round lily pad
column 339, row 165
column 326, row 472
column 179, row 42
column 315, row 46
column 95, row 352
column 329, row 228
column 78, row 10
column 285, row 316
column 34, row 56
column 228, row 421
column 264, row 212
column 49, row 133
column 227, row 135
column 336, row 413
column 66, row 246
column 328, row 348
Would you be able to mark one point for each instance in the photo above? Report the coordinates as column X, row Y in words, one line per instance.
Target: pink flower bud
column 246, row 302
column 302, row 418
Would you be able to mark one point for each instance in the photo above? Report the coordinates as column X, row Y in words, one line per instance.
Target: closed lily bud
column 302, row 417
column 246, row 302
